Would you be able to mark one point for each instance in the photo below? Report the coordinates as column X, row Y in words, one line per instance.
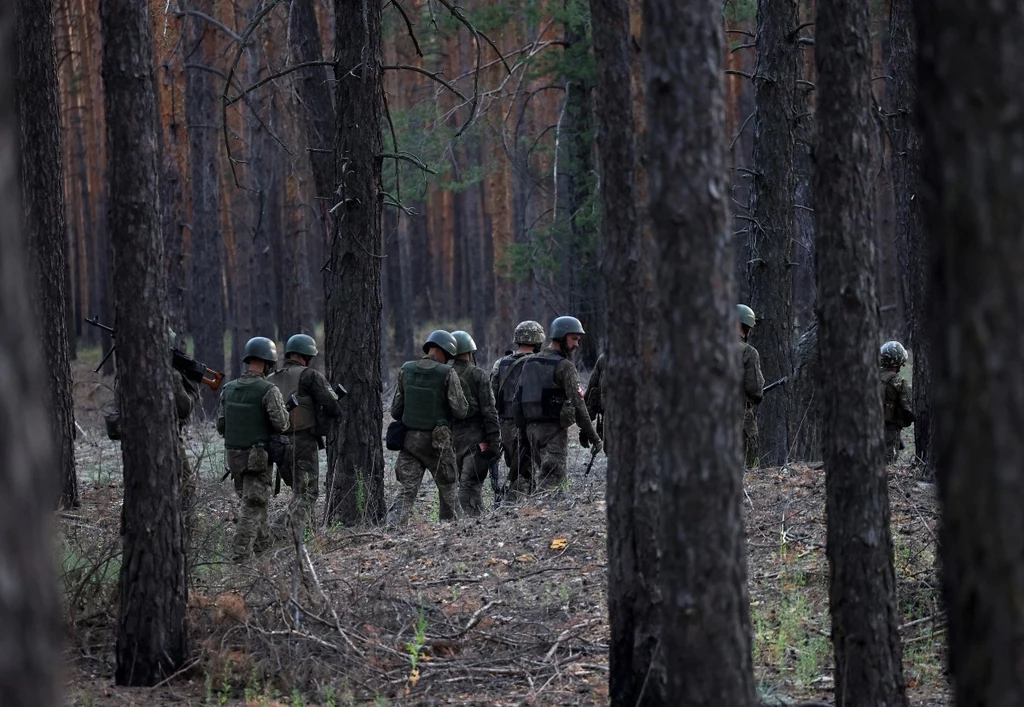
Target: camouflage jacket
column 594, row 398
column 897, row 399
column 753, row 380
column 568, row 378
column 477, row 389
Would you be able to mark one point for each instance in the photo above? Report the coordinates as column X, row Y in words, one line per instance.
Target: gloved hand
column 584, row 441
column 597, row 447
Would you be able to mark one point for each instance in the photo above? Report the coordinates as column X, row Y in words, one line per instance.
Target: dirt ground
column 505, row 609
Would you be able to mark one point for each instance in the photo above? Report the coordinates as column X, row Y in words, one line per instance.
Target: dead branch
column 408, row 25
column 435, row 76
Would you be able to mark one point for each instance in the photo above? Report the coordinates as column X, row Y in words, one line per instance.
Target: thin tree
column 353, row 282
column 314, row 95
column 637, row 676
column 703, row 570
column 862, row 601
column 151, row 637
column 42, row 182
column 772, row 226
column 29, row 606
column 973, row 142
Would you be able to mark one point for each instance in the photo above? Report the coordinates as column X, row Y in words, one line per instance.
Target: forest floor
column 505, row 609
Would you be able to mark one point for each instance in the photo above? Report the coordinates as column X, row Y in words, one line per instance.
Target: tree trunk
column 43, row 211
column 151, row 638
column 707, row 639
column 868, row 670
column 637, row 674
column 909, row 217
column 773, row 210
column 353, row 285
column 29, row 605
column 314, row 96
column 206, row 317
column 973, row 178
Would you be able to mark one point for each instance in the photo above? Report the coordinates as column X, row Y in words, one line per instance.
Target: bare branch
column 429, row 74
column 737, row 72
column 231, row 100
column 457, row 13
column 408, row 26
column 213, row 21
column 408, row 157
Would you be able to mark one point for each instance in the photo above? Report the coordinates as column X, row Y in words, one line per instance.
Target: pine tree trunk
column 353, row 286
column 969, row 97
column 868, row 668
column 207, row 312
column 151, row 638
column 43, row 210
column 314, row 94
column 773, row 210
column 703, row 569
column 29, row 605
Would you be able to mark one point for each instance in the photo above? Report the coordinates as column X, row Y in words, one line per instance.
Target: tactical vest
column 425, row 401
column 508, row 384
column 245, row 422
column 466, row 379
column 540, row 398
column 302, row 417
column 890, row 398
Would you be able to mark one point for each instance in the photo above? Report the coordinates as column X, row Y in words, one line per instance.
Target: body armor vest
column 302, row 417
column 425, row 402
column 508, row 383
column 540, row 397
column 245, row 422
column 890, row 397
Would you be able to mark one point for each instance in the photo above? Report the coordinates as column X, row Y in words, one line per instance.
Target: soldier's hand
column 597, row 447
column 584, row 442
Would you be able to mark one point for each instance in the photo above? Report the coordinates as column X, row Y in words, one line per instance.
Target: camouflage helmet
column 442, row 340
column 260, row 347
column 892, row 355
column 746, row 315
column 464, row 342
column 528, row 333
column 301, row 344
column 561, row 327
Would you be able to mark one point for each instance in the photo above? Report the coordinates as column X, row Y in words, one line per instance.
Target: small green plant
column 329, row 698
column 415, row 648
column 565, row 593
column 297, row 699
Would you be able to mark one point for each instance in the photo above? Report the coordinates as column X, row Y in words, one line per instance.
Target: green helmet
column 892, row 355
column 746, row 315
column 260, row 347
column 443, row 340
column 464, row 342
column 563, row 326
column 301, row 344
column 528, row 333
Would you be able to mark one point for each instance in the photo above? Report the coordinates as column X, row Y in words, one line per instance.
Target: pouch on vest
column 279, row 449
column 394, row 439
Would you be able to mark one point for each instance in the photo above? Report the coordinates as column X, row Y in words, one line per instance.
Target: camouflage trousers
column 303, row 469
column 250, row 470
column 422, row 451
column 893, row 442
column 549, row 448
column 750, row 438
column 519, row 469
column 189, row 484
column 466, row 441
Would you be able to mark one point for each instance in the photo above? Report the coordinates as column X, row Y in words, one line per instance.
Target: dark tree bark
column 969, row 101
column 637, row 675
column 703, row 569
column 268, row 171
column 353, row 285
column 773, row 210
column 314, row 95
column 868, row 668
column 909, row 217
column 42, row 182
column 151, row 638
column 207, row 312
column 29, row 605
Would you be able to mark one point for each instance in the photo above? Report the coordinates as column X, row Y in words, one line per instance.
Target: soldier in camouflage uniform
column 428, row 400
column 551, row 400
column 251, row 410
column 897, row 399
column 311, row 402
column 476, row 438
column 528, row 338
column 186, row 393
column 594, row 398
column 753, row 385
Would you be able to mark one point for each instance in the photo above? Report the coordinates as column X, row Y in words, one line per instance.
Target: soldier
column 528, row 337
column 551, row 400
column 753, row 385
column 251, row 410
column 186, row 393
column 428, row 399
column 593, row 397
column 476, row 438
column 897, row 401
column 313, row 401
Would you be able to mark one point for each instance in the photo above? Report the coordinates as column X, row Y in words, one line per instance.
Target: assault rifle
column 180, row 361
column 775, row 384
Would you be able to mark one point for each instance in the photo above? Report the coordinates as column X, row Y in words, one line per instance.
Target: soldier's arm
column 273, row 404
column 220, row 416
column 593, row 394
column 398, row 402
column 485, row 400
column 494, row 378
column 753, row 380
column 570, row 382
column 907, row 403
column 184, row 399
column 457, row 402
column 313, row 383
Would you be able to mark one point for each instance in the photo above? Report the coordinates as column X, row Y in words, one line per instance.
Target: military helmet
column 443, row 340
column 563, row 326
column 892, row 355
column 464, row 342
column 746, row 315
column 301, row 344
column 260, row 347
column 528, row 333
